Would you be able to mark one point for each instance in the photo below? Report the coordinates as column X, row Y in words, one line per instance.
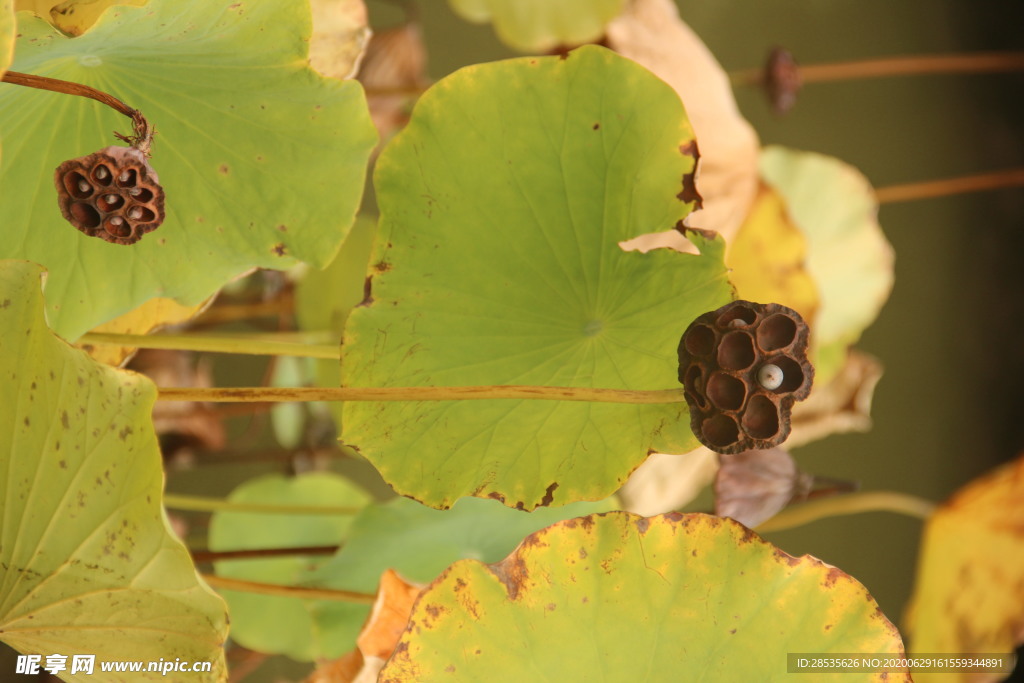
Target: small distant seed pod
column 113, row 194
column 742, row 367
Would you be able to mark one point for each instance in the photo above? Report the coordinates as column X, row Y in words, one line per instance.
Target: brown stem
column 1011, row 177
column 982, row 62
column 143, row 137
column 283, row 394
column 214, row 555
column 225, row 583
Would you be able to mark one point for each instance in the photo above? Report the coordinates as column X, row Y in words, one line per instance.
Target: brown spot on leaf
column 513, row 573
column 223, row 169
column 597, row 126
column 280, row 249
column 64, row 419
column 283, row 228
column 549, row 495
column 5, row 303
column 382, row 266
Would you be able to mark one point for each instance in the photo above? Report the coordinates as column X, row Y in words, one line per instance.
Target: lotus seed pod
column 128, row 203
column 743, row 367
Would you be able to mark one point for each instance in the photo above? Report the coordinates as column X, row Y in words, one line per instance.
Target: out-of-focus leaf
column 89, row 562
column 847, row 254
column 767, row 258
column 6, row 40
column 752, row 486
column 668, row 482
column 969, row 591
column 73, row 17
column 340, row 35
column 651, row 33
column 583, row 152
column 840, row 405
column 673, row 597
column 540, row 25
column 324, row 298
column 150, row 316
column 275, row 624
column 393, row 71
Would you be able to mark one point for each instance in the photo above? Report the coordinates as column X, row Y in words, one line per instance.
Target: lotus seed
column 770, row 376
column 111, row 198
column 124, row 177
column 135, row 191
column 135, row 213
column 102, row 173
column 116, row 220
column 83, row 186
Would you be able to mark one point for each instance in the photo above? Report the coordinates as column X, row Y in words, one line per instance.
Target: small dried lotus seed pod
column 743, row 367
column 113, row 194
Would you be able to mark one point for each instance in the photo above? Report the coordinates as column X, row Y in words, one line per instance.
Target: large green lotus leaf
column 278, row 624
column 619, row 597
column 847, row 253
column 262, row 159
column 89, row 562
column 497, row 262
column 540, row 25
column 420, row 542
column 969, row 590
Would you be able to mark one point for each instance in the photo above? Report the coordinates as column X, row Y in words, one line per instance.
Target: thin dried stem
column 916, row 65
column 258, row 553
column 1011, row 177
column 470, row 393
column 289, row 591
column 143, row 132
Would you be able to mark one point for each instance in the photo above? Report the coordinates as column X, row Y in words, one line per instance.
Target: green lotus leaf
column 540, row 25
column 262, row 159
column 847, row 253
column 419, row 543
column 272, row 624
column 89, row 562
column 497, row 262
column 619, row 597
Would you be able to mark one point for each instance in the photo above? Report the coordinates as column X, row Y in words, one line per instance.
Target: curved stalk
column 143, row 136
column 851, row 504
column 239, row 345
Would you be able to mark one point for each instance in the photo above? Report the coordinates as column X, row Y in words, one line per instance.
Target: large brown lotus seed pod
column 113, row 194
column 742, row 368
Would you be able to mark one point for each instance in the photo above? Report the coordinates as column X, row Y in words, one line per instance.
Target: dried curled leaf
column 842, row 405
column 667, row 482
column 340, row 35
column 393, row 71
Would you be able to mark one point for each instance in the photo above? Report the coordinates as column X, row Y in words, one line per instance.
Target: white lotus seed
column 83, row 186
column 135, row 191
column 135, row 213
column 116, row 220
column 111, row 198
column 102, row 173
column 124, row 176
column 770, row 376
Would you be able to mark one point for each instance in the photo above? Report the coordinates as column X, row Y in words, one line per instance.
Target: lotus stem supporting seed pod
column 742, row 368
column 119, row 211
